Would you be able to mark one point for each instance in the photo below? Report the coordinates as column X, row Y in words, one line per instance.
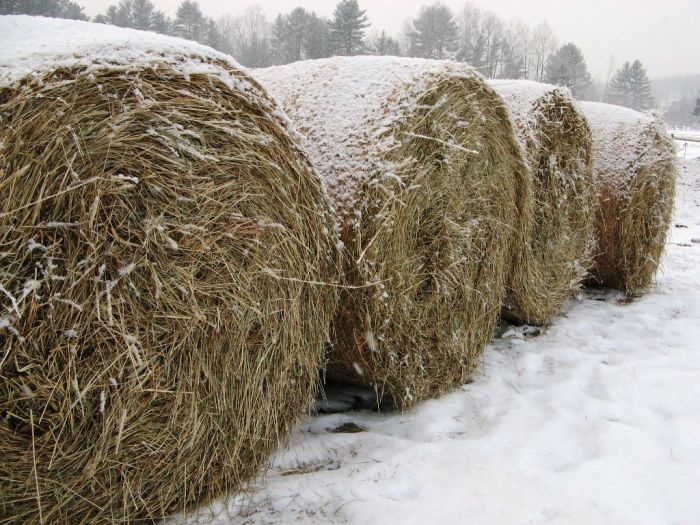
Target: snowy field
column 688, row 149
column 596, row 420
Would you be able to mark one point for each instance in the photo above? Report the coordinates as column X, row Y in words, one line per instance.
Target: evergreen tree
column 567, row 67
column 212, row 35
column 142, row 12
column 138, row 14
column 435, row 31
column 51, row 8
column 348, row 28
column 630, row 87
column 620, row 90
column 299, row 35
column 288, row 36
column 513, row 65
column 161, row 23
column 190, row 23
column 640, row 87
column 385, row 45
column 114, row 17
column 409, row 46
column 318, row 37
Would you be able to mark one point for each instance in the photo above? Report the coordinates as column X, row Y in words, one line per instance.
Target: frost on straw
column 634, row 169
column 425, row 174
column 148, row 362
column 556, row 247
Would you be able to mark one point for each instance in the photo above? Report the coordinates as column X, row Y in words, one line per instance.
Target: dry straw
column 634, row 170
column 556, row 250
column 422, row 164
column 160, row 240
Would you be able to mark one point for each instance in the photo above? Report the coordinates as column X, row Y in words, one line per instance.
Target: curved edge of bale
column 556, row 251
column 635, row 177
column 427, row 260
column 163, row 240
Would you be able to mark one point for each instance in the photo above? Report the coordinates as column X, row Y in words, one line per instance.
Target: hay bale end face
column 557, row 244
column 634, row 172
column 161, row 235
column 422, row 165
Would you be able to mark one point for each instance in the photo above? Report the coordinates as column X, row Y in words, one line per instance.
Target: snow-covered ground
column 597, row 420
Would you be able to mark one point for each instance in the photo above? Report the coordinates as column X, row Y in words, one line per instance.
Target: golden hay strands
column 157, row 337
column 557, row 248
column 635, row 176
column 423, row 166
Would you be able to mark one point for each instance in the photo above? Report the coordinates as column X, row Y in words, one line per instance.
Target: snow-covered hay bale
column 422, row 164
column 555, row 252
column 634, row 172
column 160, row 232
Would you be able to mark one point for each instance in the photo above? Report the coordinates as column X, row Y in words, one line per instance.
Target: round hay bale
column 634, row 171
column 421, row 162
column 556, row 250
column 160, row 231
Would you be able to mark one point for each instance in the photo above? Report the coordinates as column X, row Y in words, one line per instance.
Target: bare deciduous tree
column 541, row 45
column 247, row 37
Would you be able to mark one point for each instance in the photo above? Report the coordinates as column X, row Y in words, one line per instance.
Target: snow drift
column 422, row 165
column 556, row 248
column 162, row 238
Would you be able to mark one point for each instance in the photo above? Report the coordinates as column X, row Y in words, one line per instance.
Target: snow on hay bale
column 157, row 227
column 422, row 164
column 634, row 171
column 556, row 250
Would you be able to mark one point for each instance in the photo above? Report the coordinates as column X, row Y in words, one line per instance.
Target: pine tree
column 161, row 23
column 289, row 32
column 51, row 8
column 142, row 12
column 385, row 45
column 288, row 35
column 299, row 35
column 567, row 67
column 620, row 91
column 640, row 88
column 513, row 65
column 435, row 31
column 70, row 10
column 630, row 87
column 189, row 22
column 347, row 29
column 318, row 37
column 212, row 35
column 138, row 14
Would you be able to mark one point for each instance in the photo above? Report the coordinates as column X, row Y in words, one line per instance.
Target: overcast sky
column 664, row 35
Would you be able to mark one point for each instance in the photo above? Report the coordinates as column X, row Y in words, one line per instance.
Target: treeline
column 497, row 48
column 51, row 8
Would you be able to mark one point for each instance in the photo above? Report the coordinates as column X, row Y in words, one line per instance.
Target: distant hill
column 676, row 97
column 668, row 89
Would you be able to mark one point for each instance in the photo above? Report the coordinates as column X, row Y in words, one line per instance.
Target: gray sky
column 664, row 35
